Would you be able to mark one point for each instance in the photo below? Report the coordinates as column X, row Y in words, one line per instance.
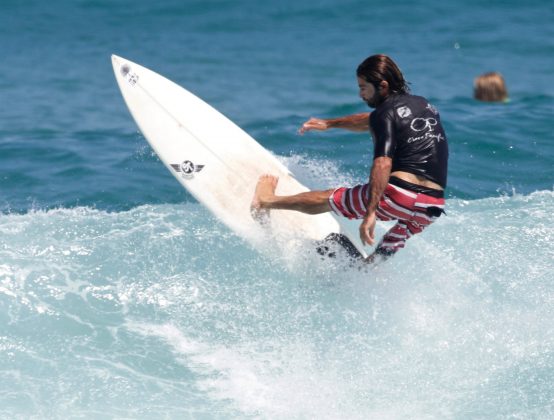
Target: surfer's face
column 368, row 93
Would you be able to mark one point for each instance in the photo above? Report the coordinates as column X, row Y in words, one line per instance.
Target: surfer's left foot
column 263, row 197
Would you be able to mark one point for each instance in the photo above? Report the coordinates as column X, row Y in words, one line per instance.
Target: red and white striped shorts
column 413, row 211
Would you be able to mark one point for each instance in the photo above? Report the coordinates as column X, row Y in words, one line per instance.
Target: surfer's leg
column 396, row 238
column 413, row 211
column 310, row 202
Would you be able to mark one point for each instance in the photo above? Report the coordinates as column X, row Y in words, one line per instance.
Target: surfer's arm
column 379, row 178
column 355, row 122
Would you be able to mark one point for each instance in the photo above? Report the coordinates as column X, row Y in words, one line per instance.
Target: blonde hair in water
column 490, row 87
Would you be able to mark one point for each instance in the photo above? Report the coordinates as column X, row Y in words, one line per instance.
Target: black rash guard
column 407, row 129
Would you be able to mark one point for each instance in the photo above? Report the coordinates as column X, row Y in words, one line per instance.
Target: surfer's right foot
column 263, row 197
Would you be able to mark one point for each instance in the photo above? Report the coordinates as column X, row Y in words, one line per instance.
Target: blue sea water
column 122, row 297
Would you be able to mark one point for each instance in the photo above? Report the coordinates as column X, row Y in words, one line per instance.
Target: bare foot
column 263, row 196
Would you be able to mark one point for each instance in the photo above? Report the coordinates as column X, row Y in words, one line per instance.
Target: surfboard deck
column 215, row 160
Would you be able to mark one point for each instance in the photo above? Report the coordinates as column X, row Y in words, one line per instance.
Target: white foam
column 453, row 324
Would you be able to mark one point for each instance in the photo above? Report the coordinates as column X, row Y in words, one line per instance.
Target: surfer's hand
column 318, row 124
column 367, row 229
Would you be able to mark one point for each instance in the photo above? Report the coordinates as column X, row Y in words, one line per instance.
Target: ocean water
column 122, row 297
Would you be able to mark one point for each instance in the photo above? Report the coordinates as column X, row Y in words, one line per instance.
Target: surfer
column 409, row 171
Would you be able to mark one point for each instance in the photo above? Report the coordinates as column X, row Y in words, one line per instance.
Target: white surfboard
column 214, row 159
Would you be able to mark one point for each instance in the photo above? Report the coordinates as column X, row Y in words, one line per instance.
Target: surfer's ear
column 384, row 88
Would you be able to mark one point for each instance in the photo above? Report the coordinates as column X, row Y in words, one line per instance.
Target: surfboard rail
column 216, row 161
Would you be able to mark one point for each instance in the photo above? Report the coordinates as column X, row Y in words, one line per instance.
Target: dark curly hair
column 380, row 67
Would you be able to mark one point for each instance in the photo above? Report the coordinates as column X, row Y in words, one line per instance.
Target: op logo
column 421, row 124
column 424, row 128
column 187, row 168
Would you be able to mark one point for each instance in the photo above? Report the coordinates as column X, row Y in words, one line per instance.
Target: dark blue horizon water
column 67, row 139
column 121, row 297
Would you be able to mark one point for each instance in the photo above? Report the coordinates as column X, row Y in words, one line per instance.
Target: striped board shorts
column 412, row 209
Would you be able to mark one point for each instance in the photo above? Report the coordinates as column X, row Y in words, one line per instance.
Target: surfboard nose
column 117, row 61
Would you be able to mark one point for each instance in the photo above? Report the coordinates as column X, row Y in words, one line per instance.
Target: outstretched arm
column 355, row 122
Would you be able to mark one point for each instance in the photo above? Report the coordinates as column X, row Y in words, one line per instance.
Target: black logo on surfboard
column 187, row 168
column 129, row 75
